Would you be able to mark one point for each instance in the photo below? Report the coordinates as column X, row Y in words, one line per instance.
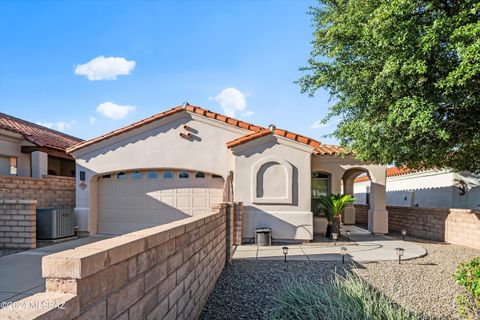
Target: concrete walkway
column 363, row 246
column 21, row 273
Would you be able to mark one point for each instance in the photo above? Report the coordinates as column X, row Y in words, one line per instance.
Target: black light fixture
column 348, row 234
column 334, row 237
column 404, row 233
column 285, row 252
column 82, row 175
column 343, row 252
column 400, row 252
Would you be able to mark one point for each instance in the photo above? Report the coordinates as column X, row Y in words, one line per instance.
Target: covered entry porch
column 336, row 175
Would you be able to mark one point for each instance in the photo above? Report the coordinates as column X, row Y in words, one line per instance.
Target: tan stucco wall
column 10, row 145
column 289, row 218
column 157, row 145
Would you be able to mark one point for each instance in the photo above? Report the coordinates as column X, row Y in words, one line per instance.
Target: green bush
column 346, row 297
column 468, row 275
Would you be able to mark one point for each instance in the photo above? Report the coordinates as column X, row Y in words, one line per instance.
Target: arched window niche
column 272, row 181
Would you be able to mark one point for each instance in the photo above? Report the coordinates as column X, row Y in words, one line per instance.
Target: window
column 200, row 175
column 8, row 166
column 136, row 175
column 152, row 175
column 216, row 176
column 320, row 185
column 167, row 175
column 183, row 175
column 121, row 176
column 107, row 176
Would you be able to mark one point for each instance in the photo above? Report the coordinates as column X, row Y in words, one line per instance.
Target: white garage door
column 130, row 201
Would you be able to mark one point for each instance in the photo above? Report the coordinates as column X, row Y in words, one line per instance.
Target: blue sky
column 240, row 57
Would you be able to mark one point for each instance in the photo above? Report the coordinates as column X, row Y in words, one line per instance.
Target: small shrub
column 468, row 275
column 346, row 297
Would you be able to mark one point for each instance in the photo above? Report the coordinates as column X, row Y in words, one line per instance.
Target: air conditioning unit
column 55, row 223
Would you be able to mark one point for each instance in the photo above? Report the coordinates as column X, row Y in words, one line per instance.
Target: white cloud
column 114, row 111
column 319, row 125
column 60, row 125
column 232, row 101
column 92, row 120
column 248, row 113
column 102, row 68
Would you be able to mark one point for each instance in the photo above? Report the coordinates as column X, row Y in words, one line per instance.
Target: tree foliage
column 405, row 78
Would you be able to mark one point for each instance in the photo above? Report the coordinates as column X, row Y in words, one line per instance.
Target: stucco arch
column 275, row 174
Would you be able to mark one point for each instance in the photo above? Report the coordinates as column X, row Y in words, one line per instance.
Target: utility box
column 263, row 237
column 55, row 223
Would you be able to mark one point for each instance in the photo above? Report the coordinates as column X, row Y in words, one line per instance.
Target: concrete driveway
column 21, row 273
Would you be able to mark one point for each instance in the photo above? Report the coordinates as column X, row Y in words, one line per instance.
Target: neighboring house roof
column 391, row 172
column 37, row 134
column 257, row 131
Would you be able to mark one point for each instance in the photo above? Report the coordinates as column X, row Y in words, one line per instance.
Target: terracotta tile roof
column 37, row 134
column 158, row 116
column 318, row 148
column 391, row 172
column 257, row 131
column 248, row 137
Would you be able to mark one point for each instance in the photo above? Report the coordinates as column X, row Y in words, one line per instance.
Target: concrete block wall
column 361, row 214
column 17, row 224
column 237, row 223
column 457, row 226
column 463, row 228
column 50, row 191
column 164, row 272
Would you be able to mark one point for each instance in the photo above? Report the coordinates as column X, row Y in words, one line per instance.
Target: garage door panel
column 128, row 204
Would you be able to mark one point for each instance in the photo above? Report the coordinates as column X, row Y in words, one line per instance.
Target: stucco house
column 180, row 162
column 31, row 150
column 426, row 188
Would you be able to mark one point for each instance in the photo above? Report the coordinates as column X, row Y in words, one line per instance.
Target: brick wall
column 17, row 224
column 237, row 224
column 361, row 214
column 164, row 272
column 457, row 226
column 51, row 191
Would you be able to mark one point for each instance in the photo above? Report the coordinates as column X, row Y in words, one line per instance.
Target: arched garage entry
column 134, row 200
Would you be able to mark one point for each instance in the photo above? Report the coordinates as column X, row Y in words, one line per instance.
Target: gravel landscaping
column 245, row 288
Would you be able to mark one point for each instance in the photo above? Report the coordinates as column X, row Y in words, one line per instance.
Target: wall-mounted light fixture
column 82, row 175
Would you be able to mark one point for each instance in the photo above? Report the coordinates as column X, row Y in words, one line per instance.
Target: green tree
column 404, row 76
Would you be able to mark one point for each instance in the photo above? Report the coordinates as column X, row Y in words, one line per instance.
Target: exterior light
column 404, row 233
column 334, row 237
column 285, row 252
column 348, row 234
column 400, row 252
column 343, row 252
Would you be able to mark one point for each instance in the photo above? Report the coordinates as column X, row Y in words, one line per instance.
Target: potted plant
column 334, row 206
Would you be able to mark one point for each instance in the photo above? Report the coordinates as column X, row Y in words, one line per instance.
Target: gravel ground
column 6, row 252
column 245, row 288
